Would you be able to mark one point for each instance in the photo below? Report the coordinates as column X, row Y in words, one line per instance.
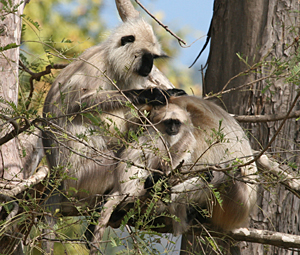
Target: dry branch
column 18, row 129
column 252, row 235
column 283, row 172
column 266, row 118
column 40, row 175
column 37, row 77
column 266, row 237
column 161, row 24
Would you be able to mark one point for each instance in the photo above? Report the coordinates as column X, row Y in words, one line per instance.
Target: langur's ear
column 126, row 10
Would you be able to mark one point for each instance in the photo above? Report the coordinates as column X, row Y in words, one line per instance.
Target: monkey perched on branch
column 124, row 60
column 222, row 142
column 162, row 148
column 91, row 101
column 198, row 134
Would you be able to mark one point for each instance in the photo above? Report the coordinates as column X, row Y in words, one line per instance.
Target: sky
column 178, row 14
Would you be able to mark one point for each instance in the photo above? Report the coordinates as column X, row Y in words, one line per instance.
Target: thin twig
column 37, row 77
column 133, row 238
column 236, row 88
column 17, row 129
column 97, row 161
column 161, row 24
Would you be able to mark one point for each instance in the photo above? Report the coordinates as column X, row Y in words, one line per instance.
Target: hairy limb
column 113, row 100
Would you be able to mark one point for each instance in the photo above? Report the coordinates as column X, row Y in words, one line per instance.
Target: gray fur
column 194, row 142
column 84, row 149
column 149, row 152
column 238, row 196
column 84, row 83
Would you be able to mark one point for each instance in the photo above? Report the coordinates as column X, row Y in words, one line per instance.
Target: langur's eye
column 127, row 39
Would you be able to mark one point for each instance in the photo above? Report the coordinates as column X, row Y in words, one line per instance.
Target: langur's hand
column 176, row 92
column 161, row 97
column 153, row 96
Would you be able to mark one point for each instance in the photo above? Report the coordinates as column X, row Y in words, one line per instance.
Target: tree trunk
column 258, row 29
column 11, row 167
column 10, row 32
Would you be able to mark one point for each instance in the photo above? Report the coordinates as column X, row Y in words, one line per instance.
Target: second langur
column 208, row 136
column 149, row 153
column 219, row 141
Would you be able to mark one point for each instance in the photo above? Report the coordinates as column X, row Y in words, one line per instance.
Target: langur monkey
column 88, row 112
column 148, row 154
column 207, row 136
column 124, row 60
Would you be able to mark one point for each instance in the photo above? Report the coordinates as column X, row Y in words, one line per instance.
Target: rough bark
column 11, row 167
column 10, row 28
column 255, row 29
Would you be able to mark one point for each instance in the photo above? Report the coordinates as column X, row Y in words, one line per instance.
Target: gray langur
column 219, row 141
column 198, row 134
column 149, row 153
column 85, row 112
column 89, row 105
column 210, row 137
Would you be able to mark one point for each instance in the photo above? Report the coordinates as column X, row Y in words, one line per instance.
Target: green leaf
column 9, row 46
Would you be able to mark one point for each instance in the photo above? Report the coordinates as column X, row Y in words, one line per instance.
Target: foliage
column 80, row 26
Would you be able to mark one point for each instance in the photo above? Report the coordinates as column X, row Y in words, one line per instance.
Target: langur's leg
column 107, row 211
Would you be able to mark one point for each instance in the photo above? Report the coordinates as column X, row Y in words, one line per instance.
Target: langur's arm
column 113, row 100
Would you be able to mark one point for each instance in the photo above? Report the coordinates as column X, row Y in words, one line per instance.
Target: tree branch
column 266, row 237
column 222, row 92
column 283, row 172
column 266, row 118
column 37, row 77
column 37, row 177
column 17, row 129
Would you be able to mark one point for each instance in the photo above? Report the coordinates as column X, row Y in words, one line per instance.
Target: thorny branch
column 236, row 88
column 99, row 152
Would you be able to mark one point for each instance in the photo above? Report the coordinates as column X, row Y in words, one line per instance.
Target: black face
column 172, row 126
column 146, row 64
column 127, row 39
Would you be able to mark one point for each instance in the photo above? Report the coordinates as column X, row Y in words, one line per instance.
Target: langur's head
column 132, row 48
column 172, row 121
